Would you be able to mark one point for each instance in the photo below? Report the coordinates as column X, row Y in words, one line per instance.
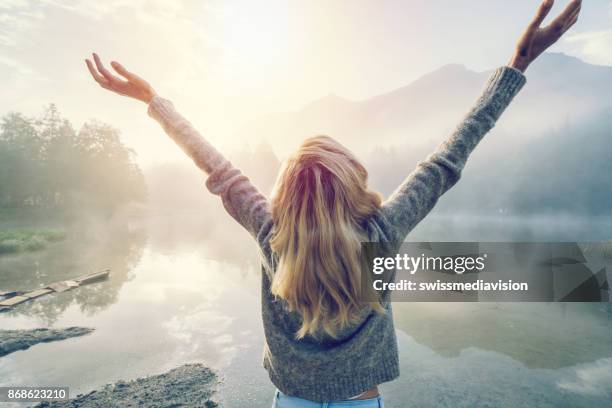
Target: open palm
column 536, row 39
column 132, row 86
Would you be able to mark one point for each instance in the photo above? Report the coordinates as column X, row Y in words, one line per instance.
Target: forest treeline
column 46, row 163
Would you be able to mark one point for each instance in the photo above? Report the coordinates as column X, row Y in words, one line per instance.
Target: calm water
column 180, row 295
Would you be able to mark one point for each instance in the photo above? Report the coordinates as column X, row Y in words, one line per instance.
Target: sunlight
column 255, row 38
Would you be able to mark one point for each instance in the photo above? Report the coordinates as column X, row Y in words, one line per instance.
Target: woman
column 324, row 347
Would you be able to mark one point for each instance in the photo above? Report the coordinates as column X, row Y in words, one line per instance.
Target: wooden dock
column 8, row 299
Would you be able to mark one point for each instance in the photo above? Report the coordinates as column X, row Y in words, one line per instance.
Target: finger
column 566, row 15
column 96, row 76
column 570, row 23
column 122, row 71
column 572, row 19
column 105, row 72
column 130, row 76
column 541, row 14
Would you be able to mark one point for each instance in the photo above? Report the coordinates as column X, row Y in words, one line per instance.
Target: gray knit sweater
column 365, row 355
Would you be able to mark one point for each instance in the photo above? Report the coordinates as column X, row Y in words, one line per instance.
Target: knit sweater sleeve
column 239, row 196
column 419, row 193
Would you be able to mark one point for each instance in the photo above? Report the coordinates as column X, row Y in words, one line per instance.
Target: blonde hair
column 319, row 207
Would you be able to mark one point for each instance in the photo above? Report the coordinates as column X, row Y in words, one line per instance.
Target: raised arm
column 419, row 193
column 240, row 197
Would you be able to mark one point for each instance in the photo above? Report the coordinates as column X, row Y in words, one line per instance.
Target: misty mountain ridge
column 559, row 89
column 548, row 153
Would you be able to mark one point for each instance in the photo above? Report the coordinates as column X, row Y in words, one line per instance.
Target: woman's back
column 326, row 368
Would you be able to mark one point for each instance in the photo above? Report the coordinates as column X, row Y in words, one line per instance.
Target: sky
column 223, row 63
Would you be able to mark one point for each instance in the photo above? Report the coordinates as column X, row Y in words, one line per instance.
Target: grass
column 20, row 240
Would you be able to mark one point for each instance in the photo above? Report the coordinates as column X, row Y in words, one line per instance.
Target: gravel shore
column 191, row 385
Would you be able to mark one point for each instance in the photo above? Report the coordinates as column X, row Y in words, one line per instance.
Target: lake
column 182, row 291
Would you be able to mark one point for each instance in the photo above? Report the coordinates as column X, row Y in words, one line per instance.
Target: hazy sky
column 223, row 62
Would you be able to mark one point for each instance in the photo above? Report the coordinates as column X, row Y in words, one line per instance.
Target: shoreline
column 188, row 386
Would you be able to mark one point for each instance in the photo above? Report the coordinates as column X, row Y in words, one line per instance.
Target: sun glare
column 255, row 38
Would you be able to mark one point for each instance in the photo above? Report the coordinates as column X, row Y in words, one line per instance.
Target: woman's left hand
column 536, row 39
column 133, row 86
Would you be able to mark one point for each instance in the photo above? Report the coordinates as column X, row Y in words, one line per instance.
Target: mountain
column 560, row 88
column 549, row 152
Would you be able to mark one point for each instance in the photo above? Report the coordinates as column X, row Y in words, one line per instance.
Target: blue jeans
column 284, row 401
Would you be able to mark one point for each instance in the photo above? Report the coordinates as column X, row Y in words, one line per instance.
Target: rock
column 188, row 386
column 14, row 340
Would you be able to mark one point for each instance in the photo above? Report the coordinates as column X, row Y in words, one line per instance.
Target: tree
column 46, row 163
column 20, row 160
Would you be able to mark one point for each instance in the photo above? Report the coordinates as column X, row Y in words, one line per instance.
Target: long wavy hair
column 319, row 207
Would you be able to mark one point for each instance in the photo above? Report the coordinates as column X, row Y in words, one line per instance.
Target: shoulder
column 379, row 228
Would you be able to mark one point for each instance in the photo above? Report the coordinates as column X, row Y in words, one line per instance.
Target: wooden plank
column 10, row 293
column 15, row 300
column 61, row 286
column 37, row 293
column 14, row 297
column 92, row 277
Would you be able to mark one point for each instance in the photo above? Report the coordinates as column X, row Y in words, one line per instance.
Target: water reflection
column 539, row 335
column 483, row 378
column 185, row 288
column 86, row 249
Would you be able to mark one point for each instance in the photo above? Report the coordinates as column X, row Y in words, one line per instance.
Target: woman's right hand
column 133, row 86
